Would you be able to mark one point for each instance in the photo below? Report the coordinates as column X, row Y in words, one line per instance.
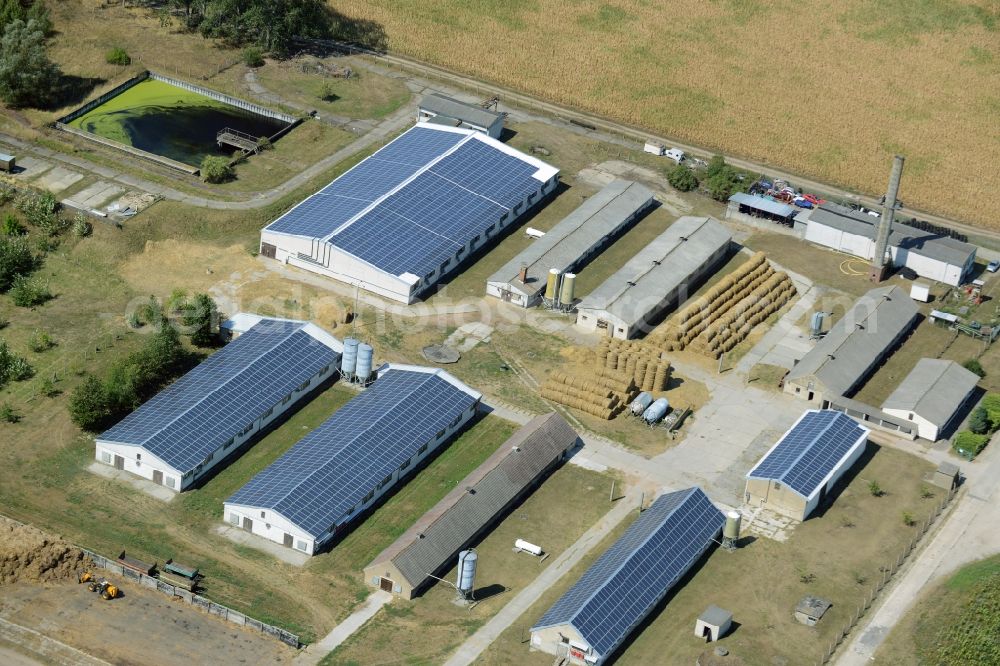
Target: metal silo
column 364, row 369
column 552, row 286
column 656, row 411
column 567, row 291
column 641, row 402
column 349, row 359
column 466, row 581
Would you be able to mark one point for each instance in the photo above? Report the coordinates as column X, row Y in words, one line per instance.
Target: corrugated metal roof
column 766, row 205
column 453, row 108
column 857, row 341
column 933, row 246
column 666, row 263
column 935, row 390
column 449, row 526
column 562, row 246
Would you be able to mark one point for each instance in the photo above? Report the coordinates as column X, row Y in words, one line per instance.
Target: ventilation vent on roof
column 515, row 449
column 420, row 536
column 683, row 238
column 470, row 490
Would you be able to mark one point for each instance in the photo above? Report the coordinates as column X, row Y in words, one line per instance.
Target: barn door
column 288, row 540
column 268, row 250
column 247, row 524
column 157, row 476
column 119, row 462
column 385, row 584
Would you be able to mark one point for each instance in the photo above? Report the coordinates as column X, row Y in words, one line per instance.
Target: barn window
column 303, row 385
column 138, row 456
column 911, row 416
column 369, row 496
column 106, row 457
column 229, row 443
column 386, row 481
column 261, row 514
column 171, row 482
column 302, row 545
column 234, row 519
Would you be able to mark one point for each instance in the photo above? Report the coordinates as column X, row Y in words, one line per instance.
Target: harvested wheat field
column 829, row 90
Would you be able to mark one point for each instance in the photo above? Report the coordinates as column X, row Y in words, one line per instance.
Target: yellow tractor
column 85, row 577
column 106, row 589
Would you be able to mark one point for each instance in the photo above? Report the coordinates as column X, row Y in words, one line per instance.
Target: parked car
column 993, row 266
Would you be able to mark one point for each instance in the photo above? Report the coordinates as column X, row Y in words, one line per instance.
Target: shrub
column 973, row 365
column 252, row 57
column 264, row 143
column 118, row 56
column 328, row 92
column 215, row 169
column 969, row 444
column 7, row 193
column 40, row 341
column 12, row 226
column 908, row 519
column 88, row 406
column 38, row 207
column 201, row 317
column 27, row 292
column 15, row 260
column 151, row 312
column 875, row 489
column 991, row 404
column 682, row 178
column 12, row 367
column 133, row 320
column 979, row 421
column 9, row 414
column 82, row 226
column 48, row 388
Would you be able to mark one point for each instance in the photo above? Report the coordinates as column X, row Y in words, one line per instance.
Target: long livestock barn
column 569, row 245
column 312, row 492
column 659, row 276
column 410, row 214
column 506, row 477
column 194, row 424
column 927, row 254
column 933, row 396
column 592, row 620
column 801, row 469
column 853, row 347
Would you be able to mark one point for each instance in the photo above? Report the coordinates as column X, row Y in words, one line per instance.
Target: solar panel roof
column 631, row 577
column 331, row 469
column 810, row 451
column 228, row 391
column 431, row 190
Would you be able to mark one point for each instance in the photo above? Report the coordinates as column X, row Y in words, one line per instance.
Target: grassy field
column 708, row 74
column 431, row 626
column 954, row 622
column 762, row 581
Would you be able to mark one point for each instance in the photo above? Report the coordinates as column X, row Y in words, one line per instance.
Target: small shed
column 945, row 476
column 920, row 292
column 811, row 609
column 713, row 624
column 7, row 162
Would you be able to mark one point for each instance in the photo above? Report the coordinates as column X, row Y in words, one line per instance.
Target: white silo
column 466, row 582
column 641, row 402
column 364, row 369
column 656, row 411
column 349, row 359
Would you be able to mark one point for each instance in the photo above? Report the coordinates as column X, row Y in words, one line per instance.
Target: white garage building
column 929, row 255
column 412, row 213
column 932, row 396
column 663, row 273
column 443, row 110
column 332, row 475
column 194, row 425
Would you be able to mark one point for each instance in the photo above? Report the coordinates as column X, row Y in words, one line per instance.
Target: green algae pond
column 165, row 120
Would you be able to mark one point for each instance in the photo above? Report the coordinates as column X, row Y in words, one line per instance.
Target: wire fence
column 888, row 571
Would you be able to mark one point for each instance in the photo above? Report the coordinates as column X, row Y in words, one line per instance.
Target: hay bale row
column 606, row 413
column 735, row 291
column 580, row 383
column 695, row 308
column 748, row 303
column 756, row 310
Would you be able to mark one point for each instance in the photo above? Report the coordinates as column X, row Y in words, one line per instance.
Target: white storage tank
column 656, row 411
column 467, row 560
column 521, row 544
column 641, row 402
column 349, row 359
column 364, row 369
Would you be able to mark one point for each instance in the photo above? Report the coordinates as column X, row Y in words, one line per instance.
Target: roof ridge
column 225, row 383
column 805, row 450
column 945, row 366
column 690, row 492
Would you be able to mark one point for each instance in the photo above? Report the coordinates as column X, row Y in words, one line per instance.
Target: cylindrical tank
column 530, row 547
column 641, row 402
column 364, row 369
column 732, row 528
column 467, row 570
column 656, row 411
column 567, row 291
column 552, row 285
column 349, row 360
column 817, row 323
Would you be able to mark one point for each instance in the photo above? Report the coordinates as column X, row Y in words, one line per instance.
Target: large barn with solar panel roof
column 332, row 475
column 612, row 598
column 194, row 425
column 799, row 472
column 410, row 214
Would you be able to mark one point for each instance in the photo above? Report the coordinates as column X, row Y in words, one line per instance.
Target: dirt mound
column 28, row 554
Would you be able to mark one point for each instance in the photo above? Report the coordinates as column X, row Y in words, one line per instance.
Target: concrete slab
column 161, row 493
column 29, row 167
column 58, row 179
column 287, row 555
column 313, row 653
column 468, row 336
column 95, row 195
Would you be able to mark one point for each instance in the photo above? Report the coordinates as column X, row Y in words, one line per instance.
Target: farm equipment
column 105, row 588
column 85, row 577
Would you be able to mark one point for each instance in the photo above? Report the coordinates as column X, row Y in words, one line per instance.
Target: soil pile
column 28, row 554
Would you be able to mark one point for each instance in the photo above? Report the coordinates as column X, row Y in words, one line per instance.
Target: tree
column 88, row 406
column 15, row 260
column 215, row 169
column 716, row 165
column 12, row 367
column 201, row 318
column 39, row 13
column 27, row 292
column 270, row 24
column 991, row 403
column 979, row 421
column 27, row 76
column 974, row 366
column 681, row 177
column 118, row 56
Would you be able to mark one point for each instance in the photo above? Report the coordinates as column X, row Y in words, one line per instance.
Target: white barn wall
column 269, row 524
column 151, row 463
column 925, row 428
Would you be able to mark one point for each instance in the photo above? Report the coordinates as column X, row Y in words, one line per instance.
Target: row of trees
column 983, row 422
column 271, row 25
column 719, row 179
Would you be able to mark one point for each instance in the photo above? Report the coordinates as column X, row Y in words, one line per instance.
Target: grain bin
column 349, row 359
column 466, row 579
column 567, row 291
column 656, row 411
column 552, row 285
column 641, row 402
column 364, row 368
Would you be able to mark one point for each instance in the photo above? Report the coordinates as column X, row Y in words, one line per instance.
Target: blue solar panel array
column 631, row 577
column 451, row 198
column 809, row 451
column 228, row 391
column 332, row 468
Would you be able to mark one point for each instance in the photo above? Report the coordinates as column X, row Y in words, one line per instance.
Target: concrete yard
column 93, row 196
column 142, row 627
column 58, row 179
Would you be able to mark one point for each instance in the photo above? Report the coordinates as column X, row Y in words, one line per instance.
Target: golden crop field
column 830, row 90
